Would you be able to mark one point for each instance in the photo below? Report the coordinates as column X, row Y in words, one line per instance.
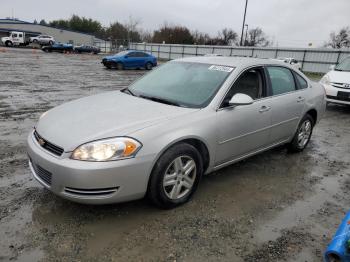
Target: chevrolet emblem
column 41, row 141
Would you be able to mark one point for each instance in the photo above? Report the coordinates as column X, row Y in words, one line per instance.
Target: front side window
column 14, row 35
column 20, row 35
column 250, row 83
column 184, row 83
column 282, row 80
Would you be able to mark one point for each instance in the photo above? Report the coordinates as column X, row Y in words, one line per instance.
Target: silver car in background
column 42, row 40
column 158, row 137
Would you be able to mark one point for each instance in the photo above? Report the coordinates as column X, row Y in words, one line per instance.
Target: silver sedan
column 185, row 119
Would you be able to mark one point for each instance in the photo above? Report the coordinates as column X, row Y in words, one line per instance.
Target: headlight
column 107, row 149
column 325, row 80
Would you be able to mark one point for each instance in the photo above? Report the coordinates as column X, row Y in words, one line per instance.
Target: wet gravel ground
column 275, row 206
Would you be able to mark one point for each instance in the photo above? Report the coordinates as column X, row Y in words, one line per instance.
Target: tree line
column 178, row 34
column 167, row 33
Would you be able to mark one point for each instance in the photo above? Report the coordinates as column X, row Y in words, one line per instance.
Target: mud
column 274, row 206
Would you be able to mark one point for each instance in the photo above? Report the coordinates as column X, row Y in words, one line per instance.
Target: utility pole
column 246, row 34
column 245, row 12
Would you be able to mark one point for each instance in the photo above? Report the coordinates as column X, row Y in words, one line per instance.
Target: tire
column 8, row 43
column 35, row 41
column 303, row 134
column 119, row 66
column 50, row 42
column 169, row 186
column 148, row 66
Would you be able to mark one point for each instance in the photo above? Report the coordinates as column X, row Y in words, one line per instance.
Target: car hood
column 339, row 76
column 101, row 116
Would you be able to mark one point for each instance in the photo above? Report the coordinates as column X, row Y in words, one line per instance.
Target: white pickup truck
column 15, row 38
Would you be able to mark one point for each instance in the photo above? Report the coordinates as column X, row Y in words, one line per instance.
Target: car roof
column 232, row 61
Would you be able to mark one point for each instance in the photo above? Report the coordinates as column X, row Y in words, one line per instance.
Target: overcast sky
column 288, row 23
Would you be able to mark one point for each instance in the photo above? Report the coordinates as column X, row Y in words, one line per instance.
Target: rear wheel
column 176, row 176
column 148, row 66
column 303, row 134
column 9, row 43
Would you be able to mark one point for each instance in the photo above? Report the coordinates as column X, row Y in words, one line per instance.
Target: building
column 60, row 35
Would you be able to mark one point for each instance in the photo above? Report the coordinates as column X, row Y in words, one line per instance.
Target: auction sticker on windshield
column 221, row 68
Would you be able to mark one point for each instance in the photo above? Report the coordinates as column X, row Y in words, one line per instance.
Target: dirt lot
column 272, row 207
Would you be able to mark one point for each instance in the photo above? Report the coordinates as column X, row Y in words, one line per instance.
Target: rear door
column 287, row 99
column 244, row 129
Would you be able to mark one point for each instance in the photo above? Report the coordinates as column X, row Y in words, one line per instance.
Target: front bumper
column 333, row 97
column 89, row 182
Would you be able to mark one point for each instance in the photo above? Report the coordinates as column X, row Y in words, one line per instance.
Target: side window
column 133, row 54
column 142, row 54
column 301, row 81
column 282, row 80
column 250, row 83
column 14, row 35
column 20, row 35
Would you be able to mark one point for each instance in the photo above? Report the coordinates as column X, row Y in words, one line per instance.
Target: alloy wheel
column 304, row 133
column 179, row 177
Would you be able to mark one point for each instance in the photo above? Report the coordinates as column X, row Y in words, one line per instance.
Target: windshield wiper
column 336, row 69
column 127, row 90
column 160, row 100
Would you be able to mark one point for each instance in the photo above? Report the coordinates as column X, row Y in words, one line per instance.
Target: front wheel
column 303, row 134
column 120, row 66
column 8, row 44
column 175, row 176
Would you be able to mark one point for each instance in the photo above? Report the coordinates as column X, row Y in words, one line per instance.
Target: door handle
column 264, row 109
column 300, row 99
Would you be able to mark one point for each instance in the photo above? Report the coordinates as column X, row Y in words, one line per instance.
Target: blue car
column 130, row 59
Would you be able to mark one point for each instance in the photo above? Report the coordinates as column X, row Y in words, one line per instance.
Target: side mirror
column 240, row 100
column 332, row 67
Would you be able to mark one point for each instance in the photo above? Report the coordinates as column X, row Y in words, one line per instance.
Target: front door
column 244, row 129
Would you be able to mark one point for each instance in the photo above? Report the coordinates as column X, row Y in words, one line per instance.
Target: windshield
column 344, row 65
column 182, row 83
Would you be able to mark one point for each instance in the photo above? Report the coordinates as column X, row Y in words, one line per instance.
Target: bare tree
column 146, row 36
column 200, row 38
column 228, row 36
column 339, row 40
column 257, row 37
column 173, row 34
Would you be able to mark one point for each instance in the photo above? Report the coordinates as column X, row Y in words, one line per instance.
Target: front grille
column 91, row 192
column 341, row 85
column 56, row 150
column 340, row 98
column 42, row 173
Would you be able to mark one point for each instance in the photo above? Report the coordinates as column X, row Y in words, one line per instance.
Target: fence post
column 303, row 61
column 145, row 47
column 252, row 52
column 183, row 50
column 196, row 50
column 213, row 50
column 339, row 52
column 231, row 49
column 169, row 52
column 276, row 52
column 158, row 51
